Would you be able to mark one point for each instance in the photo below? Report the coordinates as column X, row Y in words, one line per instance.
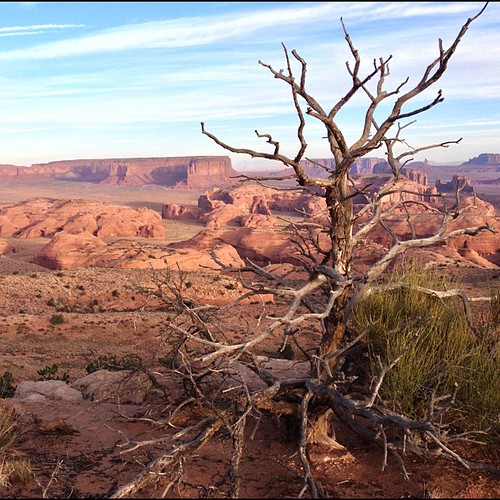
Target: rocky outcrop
column 457, row 182
column 405, row 190
column 72, row 251
column 482, row 249
column 258, row 245
column 174, row 211
column 191, row 172
column 416, row 175
column 322, row 167
column 245, row 206
column 69, row 251
column 44, row 217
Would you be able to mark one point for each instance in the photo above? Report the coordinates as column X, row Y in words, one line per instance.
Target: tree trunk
column 334, row 331
column 340, row 208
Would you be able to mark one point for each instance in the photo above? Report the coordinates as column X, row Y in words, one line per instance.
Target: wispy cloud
column 197, row 30
column 36, row 29
column 143, row 87
column 184, row 32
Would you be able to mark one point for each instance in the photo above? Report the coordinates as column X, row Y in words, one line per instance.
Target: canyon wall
column 191, row 172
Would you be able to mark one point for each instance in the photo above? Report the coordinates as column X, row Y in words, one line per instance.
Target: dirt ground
column 76, row 449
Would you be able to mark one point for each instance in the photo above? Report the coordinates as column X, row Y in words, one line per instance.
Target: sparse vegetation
column 7, row 388
column 52, row 373
column 57, row 319
column 114, row 363
column 11, row 469
column 441, row 355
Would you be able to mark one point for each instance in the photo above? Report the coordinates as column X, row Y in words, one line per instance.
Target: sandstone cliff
column 191, row 172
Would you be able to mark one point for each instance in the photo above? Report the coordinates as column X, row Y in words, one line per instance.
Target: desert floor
column 75, row 448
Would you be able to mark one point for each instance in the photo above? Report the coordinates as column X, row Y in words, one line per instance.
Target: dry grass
column 440, row 350
column 11, row 469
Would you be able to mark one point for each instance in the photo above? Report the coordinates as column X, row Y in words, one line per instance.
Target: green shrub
column 440, row 350
column 113, row 363
column 51, row 373
column 7, row 388
column 57, row 319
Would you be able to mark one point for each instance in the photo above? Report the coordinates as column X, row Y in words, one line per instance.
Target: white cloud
column 38, row 27
column 197, row 30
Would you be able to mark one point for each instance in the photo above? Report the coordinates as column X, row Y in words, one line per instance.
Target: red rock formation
column 44, row 217
column 416, row 190
column 185, row 172
column 457, row 181
column 174, row 211
column 253, row 198
column 71, row 251
column 416, row 176
column 248, row 205
column 259, row 245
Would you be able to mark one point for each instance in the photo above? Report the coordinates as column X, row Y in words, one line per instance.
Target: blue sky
column 135, row 79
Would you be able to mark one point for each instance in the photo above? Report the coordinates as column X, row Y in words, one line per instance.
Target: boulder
column 46, row 389
column 174, row 211
column 122, row 386
column 69, row 251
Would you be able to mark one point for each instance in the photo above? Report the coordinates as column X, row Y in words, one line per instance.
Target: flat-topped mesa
column 190, row 172
column 484, row 159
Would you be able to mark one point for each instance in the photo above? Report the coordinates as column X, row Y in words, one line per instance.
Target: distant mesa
column 190, row 172
column 484, row 159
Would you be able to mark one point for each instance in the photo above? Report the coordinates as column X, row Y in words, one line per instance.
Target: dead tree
column 211, row 368
column 337, row 191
